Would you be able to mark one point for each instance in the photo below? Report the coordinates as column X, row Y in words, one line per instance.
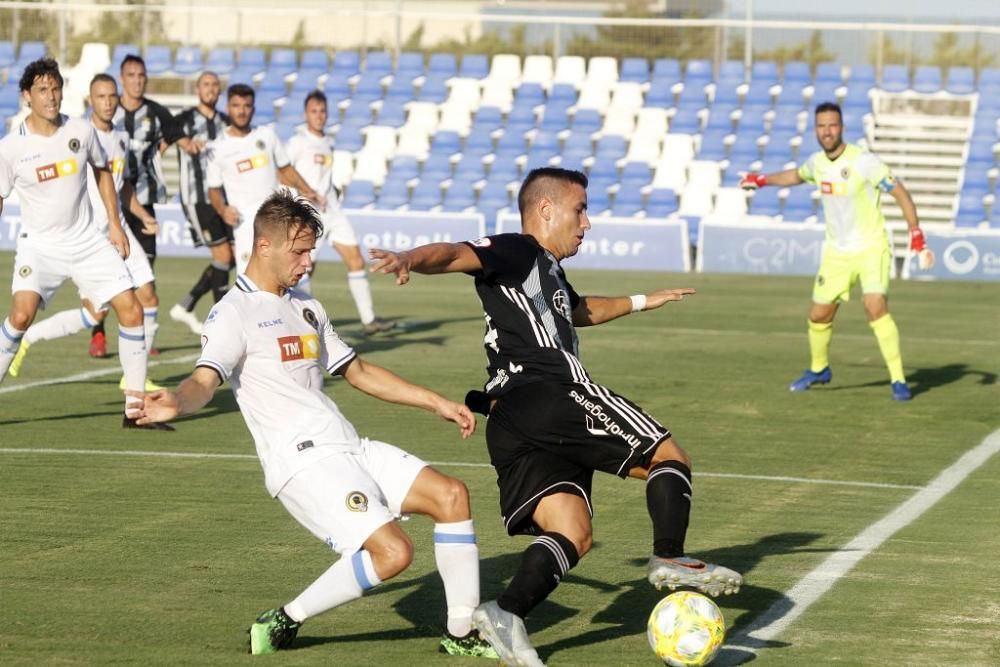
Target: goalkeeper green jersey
column 851, row 188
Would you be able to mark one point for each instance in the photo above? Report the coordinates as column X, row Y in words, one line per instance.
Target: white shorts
column 337, row 227
column 137, row 264
column 243, row 244
column 91, row 263
column 345, row 497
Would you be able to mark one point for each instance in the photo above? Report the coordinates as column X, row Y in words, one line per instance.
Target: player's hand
column 118, row 240
column 657, row 299
column 753, row 181
column 918, row 246
column 459, row 414
column 317, row 199
column 391, row 262
column 157, row 406
column 150, row 225
column 231, row 216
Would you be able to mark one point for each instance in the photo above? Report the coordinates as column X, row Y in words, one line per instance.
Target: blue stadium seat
column 759, row 93
column 368, row 88
column 610, row 148
column 667, row 70
column 358, row 114
column 572, row 162
column 548, row 141
column 779, row 144
column 349, row 138
column 263, row 113
column 636, row 175
column 392, row 113
column 895, row 78
column 799, row 204
column 283, row 61
column 731, row 72
column 578, row 141
column 10, row 99
column 587, row 120
column 434, row 89
column 117, row 56
column 720, row 118
column 410, row 65
column 562, row 91
column 521, row 119
column 252, row 56
column 598, row 200
column 304, row 83
column 442, row 64
column 699, row 69
column 536, row 160
column 796, row 73
column 446, row 142
column 692, row 98
column 503, row 171
column 394, row 195
column 188, row 61
column 403, row 168
column 285, row 129
column 554, row 121
column 604, row 171
column 378, row 63
column 158, row 59
column 32, row 51
column 824, row 93
column 458, row 198
column 752, row 119
column 862, row 75
column 272, row 81
column 314, row 60
column 359, row 194
column 437, row 167
column 659, row 95
column 927, row 79
column 726, row 93
column 961, row 80
column 661, row 203
column 221, row 60
column 511, row 144
column 489, row 117
column 346, row 63
column 829, row 73
column 744, row 148
column 531, row 94
column 337, row 88
column 786, row 118
column 400, row 89
column 426, row 195
column 470, row 168
column 685, row 122
column 7, row 55
column 765, row 71
column 628, row 202
column 634, row 69
column 474, row 66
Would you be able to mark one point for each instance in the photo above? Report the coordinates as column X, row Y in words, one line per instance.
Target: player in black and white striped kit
column 203, row 124
column 550, row 425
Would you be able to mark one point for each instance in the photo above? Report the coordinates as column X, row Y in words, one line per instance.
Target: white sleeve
column 280, row 156
column 294, row 149
column 223, row 341
column 335, row 354
column 6, row 175
column 213, row 172
column 95, row 152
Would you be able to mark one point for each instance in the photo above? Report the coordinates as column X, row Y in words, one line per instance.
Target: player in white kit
column 45, row 160
column 273, row 344
column 103, row 102
column 311, row 153
column 249, row 163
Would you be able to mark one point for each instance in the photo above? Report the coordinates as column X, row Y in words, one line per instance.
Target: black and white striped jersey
column 197, row 126
column 529, row 314
column 146, row 127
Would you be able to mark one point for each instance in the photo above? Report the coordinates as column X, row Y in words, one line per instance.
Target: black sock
column 199, row 290
column 544, row 563
column 219, row 280
column 668, row 499
column 97, row 328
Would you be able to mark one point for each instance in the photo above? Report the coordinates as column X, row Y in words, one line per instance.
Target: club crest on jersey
column 820, row 280
column 845, row 173
column 484, row 242
column 74, row 144
column 256, row 162
column 259, row 144
column 24, row 271
column 55, row 170
column 357, row 501
column 310, row 317
column 560, row 301
column 121, row 144
column 297, row 348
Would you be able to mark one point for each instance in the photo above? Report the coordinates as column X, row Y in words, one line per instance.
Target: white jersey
column 50, row 177
column 273, row 350
column 115, row 145
column 312, row 157
column 247, row 167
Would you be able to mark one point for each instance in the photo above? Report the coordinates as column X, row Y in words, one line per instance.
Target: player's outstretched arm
column 190, row 396
column 781, row 179
column 594, row 310
column 229, row 214
column 109, row 197
column 430, row 258
column 918, row 244
column 289, row 175
column 131, row 201
column 386, row 385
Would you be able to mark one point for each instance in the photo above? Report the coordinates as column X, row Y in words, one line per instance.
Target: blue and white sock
column 457, row 556
column 10, row 341
column 347, row 580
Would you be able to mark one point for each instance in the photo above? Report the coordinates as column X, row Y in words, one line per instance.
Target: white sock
column 347, row 580
column 457, row 557
column 357, row 281
column 132, row 354
column 10, row 341
column 305, row 284
column 149, row 326
column 63, row 323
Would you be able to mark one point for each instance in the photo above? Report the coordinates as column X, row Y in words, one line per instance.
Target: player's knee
column 392, row 555
column 453, row 500
column 129, row 311
column 669, row 450
column 583, row 542
column 21, row 319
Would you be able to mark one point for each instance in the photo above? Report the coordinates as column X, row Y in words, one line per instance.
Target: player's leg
column 831, row 286
column 208, row 229
column 63, row 323
column 875, row 289
column 669, row 493
column 23, row 309
column 132, row 352
column 344, row 240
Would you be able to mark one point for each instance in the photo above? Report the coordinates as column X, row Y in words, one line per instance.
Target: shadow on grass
column 925, row 379
column 626, row 615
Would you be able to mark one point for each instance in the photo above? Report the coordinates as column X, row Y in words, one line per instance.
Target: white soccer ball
column 686, row 629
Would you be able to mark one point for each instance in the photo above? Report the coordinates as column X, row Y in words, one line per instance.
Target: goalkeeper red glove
column 753, row 181
column 918, row 246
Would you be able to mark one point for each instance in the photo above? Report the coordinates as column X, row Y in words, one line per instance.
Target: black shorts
column 207, row 226
column 548, row 437
column 147, row 241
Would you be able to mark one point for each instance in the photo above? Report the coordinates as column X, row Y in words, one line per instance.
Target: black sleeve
column 171, row 129
column 504, row 256
column 184, row 124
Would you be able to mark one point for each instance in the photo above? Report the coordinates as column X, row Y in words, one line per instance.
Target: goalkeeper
column 851, row 182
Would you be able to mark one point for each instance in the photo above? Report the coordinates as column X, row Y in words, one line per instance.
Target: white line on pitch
column 90, row 375
column 813, row 585
column 458, row 464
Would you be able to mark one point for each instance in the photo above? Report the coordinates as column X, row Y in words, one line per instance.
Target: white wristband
column 638, row 302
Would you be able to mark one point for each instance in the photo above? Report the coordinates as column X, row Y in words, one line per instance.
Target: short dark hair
column 830, row 106
column 241, row 90
column 531, row 188
column 131, row 58
column 106, row 78
column 317, row 95
column 38, row 69
column 284, row 211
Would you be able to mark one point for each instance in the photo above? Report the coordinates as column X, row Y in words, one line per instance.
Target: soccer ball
column 686, row 629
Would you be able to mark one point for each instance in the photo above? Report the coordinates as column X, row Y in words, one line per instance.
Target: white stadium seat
column 602, row 69
column 537, row 69
column 422, row 115
column 464, row 93
column 506, row 68
column 379, row 140
column 571, row 70
column 370, row 167
column 730, row 203
column 627, row 94
column 619, row 120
